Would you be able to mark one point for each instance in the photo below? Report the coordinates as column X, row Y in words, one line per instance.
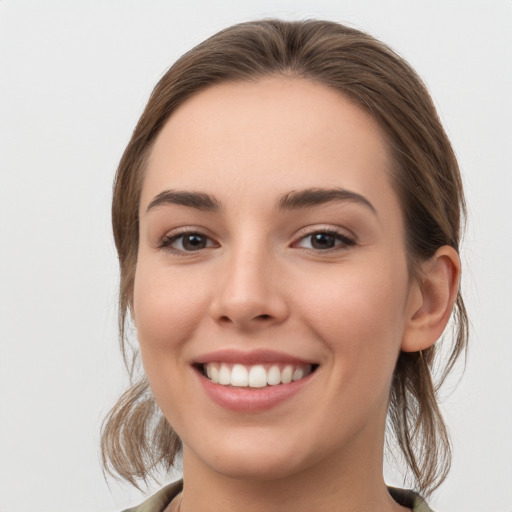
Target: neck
column 350, row 481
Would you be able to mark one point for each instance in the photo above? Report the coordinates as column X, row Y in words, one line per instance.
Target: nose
column 250, row 293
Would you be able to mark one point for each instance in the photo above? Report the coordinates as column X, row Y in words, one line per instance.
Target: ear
column 431, row 299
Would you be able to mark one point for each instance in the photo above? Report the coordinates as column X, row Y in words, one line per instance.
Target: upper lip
column 250, row 357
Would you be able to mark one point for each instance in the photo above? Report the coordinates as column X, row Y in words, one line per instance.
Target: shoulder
column 409, row 499
column 159, row 500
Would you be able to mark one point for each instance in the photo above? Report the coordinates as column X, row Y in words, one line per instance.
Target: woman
column 287, row 218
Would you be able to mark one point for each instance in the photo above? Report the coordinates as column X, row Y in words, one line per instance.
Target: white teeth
column 286, row 375
column 240, row 376
column 224, row 375
column 298, row 374
column 254, row 376
column 274, row 376
column 257, row 377
column 214, row 373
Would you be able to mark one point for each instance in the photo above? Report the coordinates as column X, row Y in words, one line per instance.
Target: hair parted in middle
column 136, row 438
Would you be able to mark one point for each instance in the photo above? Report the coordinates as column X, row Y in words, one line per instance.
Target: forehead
column 271, row 135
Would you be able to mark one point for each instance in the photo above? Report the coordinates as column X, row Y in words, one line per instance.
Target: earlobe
column 432, row 299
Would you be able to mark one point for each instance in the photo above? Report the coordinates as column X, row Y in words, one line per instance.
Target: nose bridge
column 247, row 274
column 248, row 292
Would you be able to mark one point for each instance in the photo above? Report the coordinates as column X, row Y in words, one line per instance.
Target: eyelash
column 345, row 241
column 167, row 241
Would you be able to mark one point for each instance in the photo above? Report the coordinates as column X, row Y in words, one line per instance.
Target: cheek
column 360, row 316
column 166, row 307
column 357, row 301
column 166, row 313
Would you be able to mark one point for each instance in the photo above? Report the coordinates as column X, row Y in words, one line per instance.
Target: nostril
column 226, row 319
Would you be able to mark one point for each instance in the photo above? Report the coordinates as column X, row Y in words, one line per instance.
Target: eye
column 324, row 241
column 187, row 242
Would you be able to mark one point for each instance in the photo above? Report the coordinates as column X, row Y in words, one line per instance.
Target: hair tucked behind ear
column 136, row 439
column 414, row 415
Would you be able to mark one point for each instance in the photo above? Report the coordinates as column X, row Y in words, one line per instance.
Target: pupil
column 194, row 242
column 322, row 241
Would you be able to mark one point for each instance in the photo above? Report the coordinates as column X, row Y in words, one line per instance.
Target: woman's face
column 271, row 248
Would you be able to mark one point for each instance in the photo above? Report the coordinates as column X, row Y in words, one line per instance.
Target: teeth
column 240, row 376
column 298, row 374
column 224, row 375
column 274, row 376
column 255, row 376
column 286, row 376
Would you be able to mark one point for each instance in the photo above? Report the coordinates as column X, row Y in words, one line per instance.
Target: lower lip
column 251, row 399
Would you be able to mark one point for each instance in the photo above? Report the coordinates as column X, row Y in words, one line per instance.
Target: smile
column 252, row 381
column 255, row 375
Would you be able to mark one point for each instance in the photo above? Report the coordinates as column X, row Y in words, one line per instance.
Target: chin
column 254, row 460
column 245, row 468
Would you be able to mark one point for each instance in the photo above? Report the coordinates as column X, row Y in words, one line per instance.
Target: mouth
column 257, row 376
column 249, row 382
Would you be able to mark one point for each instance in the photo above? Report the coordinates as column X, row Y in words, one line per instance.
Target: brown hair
column 136, row 438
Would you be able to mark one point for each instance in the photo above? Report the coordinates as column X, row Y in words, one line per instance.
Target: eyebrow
column 316, row 196
column 197, row 200
column 293, row 200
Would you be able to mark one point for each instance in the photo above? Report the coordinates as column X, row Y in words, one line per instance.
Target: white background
column 74, row 77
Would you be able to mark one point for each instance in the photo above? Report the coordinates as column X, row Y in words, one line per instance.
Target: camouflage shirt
column 162, row 498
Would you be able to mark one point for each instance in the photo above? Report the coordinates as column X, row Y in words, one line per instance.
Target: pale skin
column 325, row 280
